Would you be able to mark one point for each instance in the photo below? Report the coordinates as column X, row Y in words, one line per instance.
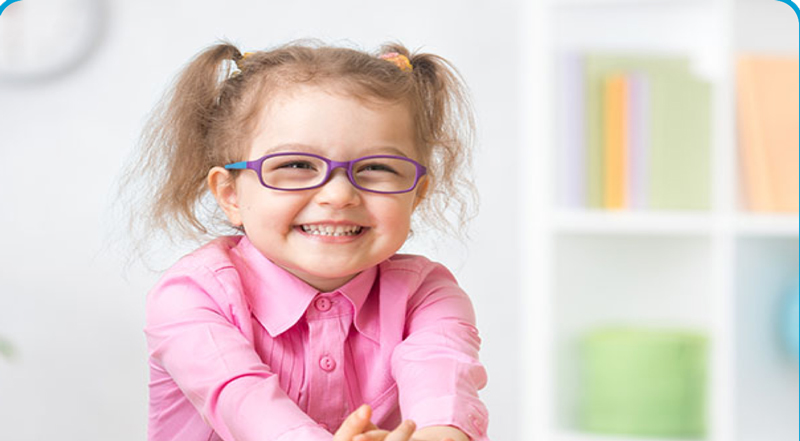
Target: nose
column 338, row 192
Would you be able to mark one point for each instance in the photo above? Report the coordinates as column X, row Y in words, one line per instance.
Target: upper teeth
column 332, row 230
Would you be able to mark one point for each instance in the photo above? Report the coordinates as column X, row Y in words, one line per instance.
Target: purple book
column 638, row 140
column 571, row 142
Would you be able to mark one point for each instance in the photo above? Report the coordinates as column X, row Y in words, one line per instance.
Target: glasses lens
column 385, row 174
column 293, row 171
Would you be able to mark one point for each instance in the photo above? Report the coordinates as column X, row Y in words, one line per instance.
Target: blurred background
column 634, row 264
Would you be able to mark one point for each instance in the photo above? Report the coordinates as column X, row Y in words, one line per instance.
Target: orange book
column 767, row 107
column 615, row 143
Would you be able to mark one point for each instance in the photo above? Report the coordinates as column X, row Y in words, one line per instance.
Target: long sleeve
column 199, row 345
column 436, row 366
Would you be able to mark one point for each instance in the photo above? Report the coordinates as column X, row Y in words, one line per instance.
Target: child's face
column 340, row 128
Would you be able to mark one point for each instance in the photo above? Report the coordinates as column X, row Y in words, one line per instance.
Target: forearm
column 439, row 433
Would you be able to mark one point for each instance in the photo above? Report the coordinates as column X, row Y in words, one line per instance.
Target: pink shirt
column 241, row 349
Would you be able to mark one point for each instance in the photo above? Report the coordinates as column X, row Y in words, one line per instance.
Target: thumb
column 355, row 423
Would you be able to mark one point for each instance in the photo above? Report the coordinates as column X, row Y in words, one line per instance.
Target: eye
column 377, row 167
column 304, row 165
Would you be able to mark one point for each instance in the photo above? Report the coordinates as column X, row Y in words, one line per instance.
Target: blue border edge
column 793, row 6
column 797, row 13
column 6, row 4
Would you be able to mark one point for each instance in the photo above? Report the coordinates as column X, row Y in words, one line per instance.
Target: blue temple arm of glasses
column 236, row 166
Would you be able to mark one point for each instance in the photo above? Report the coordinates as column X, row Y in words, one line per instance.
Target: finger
column 372, row 435
column 354, row 424
column 403, row 432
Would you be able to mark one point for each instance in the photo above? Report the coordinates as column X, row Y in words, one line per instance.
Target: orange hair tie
column 399, row 60
column 236, row 68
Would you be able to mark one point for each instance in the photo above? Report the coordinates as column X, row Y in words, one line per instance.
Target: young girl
column 307, row 322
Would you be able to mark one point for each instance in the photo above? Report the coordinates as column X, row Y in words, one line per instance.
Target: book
column 615, row 143
column 597, row 67
column 571, row 141
column 638, row 141
column 680, row 142
column 767, row 113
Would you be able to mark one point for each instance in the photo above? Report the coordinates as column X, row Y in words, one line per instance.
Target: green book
column 680, row 144
column 597, row 67
column 644, row 382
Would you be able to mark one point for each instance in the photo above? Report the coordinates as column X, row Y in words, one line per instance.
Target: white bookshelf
column 766, row 225
column 631, row 222
column 720, row 271
column 577, row 436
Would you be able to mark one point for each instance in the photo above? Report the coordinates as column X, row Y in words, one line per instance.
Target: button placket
column 328, row 325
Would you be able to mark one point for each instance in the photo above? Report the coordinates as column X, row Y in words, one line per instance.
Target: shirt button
column 327, row 363
column 322, row 304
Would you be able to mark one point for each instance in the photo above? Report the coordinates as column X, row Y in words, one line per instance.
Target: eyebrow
column 305, row 148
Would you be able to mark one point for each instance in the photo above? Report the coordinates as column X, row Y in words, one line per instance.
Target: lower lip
column 332, row 239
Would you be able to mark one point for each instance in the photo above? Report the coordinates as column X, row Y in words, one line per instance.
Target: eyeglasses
column 293, row 171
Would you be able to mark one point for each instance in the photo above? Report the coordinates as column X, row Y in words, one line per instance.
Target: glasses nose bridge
column 333, row 165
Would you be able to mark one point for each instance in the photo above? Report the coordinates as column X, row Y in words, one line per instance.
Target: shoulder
column 409, row 264
column 209, row 271
column 214, row 256
column 419, row 272
column 428, row 289
column 204, row 286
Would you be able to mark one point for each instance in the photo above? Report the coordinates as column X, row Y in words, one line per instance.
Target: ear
column 223, row 187
column 422, row 190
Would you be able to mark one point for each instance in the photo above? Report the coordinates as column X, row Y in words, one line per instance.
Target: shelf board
column 587, row 436
column 632, row 222
column 752, row 224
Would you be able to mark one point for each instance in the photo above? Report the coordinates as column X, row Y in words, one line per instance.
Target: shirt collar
column 279, row 299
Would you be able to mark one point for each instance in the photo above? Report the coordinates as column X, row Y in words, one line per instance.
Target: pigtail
column 447, row 129
column 167, row 182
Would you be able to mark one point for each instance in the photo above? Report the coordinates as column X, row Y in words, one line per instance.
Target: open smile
column 330, row 230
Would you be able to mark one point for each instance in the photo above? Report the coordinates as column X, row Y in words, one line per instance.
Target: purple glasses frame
column 256, row 165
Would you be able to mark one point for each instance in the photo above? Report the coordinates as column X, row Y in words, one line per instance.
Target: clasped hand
column 358, row 427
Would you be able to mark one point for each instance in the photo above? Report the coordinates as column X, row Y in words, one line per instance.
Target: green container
column 644, row 382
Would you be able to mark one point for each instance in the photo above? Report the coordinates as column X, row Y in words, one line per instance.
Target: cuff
column 464, row 413
column 306, row 432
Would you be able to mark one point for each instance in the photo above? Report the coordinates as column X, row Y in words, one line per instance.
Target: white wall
column 72, row 309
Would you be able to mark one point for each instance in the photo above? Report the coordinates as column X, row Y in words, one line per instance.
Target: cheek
column 260, row 210
column 275, row 212
column 397, row 215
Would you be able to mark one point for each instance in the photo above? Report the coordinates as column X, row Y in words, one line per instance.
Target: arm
column 354, row 429
column 192, row 336
column 436, row 366
column 440, row 433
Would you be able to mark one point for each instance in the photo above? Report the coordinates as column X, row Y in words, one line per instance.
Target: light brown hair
column 210, row 114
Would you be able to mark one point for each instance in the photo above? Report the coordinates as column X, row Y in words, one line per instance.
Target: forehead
column 330, row 121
